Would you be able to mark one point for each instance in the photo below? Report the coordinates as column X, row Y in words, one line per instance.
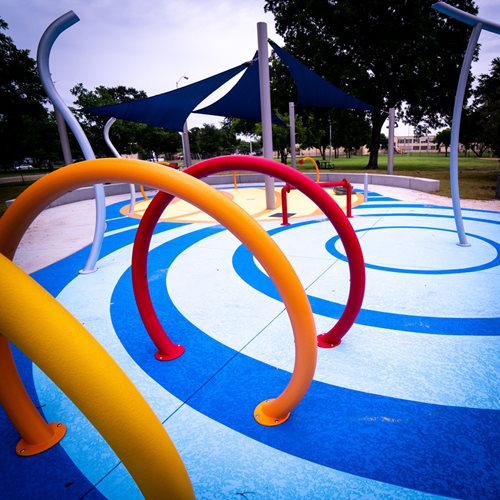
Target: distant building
column 406, row 144
column 413, row 144
column 403, row 144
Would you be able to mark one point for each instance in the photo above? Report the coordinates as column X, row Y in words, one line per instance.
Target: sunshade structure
column 313, row 90
column 243, row 100
column 170, row 109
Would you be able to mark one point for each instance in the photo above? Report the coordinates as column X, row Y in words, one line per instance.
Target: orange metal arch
column 27, row 206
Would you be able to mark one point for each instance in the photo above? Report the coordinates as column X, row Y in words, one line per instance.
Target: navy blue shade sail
column 243, row 100
column 313, row 90
column 170, row 109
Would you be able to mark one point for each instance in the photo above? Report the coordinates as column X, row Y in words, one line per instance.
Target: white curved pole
column 478, row 24
column 111, row 146
column 455, row 132
column 466, row 18
column 43, row 54
column 63, row 138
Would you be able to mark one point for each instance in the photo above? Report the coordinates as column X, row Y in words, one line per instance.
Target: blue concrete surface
column 406, row 407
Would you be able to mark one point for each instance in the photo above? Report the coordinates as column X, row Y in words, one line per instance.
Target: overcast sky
column 151, row 44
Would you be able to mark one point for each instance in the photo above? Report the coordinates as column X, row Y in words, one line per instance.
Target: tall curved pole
column 265, row 109
column 478, row 24
column 43, row 55
column 111, row 146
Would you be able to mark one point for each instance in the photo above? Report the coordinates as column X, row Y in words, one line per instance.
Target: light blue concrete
column 448, row 372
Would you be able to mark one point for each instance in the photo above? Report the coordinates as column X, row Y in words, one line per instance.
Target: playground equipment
column 70, row 371
column 166, row 349
column 308, row 158
column 343, row 183
column 478, row 24
column 110, row 400
column 43, row 55
column 115, row 152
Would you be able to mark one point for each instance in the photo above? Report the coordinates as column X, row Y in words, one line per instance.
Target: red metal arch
column 166, row 348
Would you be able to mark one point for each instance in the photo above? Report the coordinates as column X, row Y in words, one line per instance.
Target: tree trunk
column 284, row 156
column 378, row 119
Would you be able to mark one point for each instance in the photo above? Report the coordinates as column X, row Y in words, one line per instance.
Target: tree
column 486, row 108
column 385, row 52
column 127, row 137
column 443, row 138
column 25, row 124
column 208, row 141
column 471, row 132
column 350, row 130
column 251, row 131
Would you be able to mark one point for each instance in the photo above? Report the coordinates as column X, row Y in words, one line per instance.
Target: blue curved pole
column 111, row 146
column 478, row 24
column 43, row 54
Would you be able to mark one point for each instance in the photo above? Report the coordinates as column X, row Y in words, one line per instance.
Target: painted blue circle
column 246, row 268
column 330, row 246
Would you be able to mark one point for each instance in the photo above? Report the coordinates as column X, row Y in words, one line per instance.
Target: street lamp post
column 330, row 135
column 186, row 150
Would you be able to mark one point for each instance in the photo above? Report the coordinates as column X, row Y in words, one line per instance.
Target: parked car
column 24, row 166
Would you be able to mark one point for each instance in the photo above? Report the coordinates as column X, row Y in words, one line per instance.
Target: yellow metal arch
column 308, row 158
column 14, row 224
column 53, row 339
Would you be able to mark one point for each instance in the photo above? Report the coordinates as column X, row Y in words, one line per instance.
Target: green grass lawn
column 477, row 176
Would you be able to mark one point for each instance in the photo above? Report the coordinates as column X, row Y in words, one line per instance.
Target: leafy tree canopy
column 385, row 52
column 486, row 108
column 208, row 141
column 127, row 137
column 25, row 123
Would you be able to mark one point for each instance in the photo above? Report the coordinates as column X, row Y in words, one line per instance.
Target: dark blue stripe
column 55, row 277
column 438, row 216
column 331, row 248
column 391, row 205
column 431, row 448
column 378, row 198
column 416, row 205
column 245, row 266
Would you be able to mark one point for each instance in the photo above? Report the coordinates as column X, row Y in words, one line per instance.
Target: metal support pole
column 265, row 109
column 291, row 114
column 390, row 147
column 63, row 137
column 111, row 146
column 43, row 54
column 185, row 145
column 330, row 136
